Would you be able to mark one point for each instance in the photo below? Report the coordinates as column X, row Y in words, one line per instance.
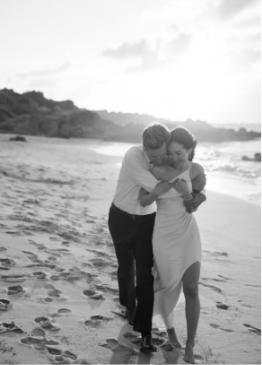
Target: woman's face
column 179, row 153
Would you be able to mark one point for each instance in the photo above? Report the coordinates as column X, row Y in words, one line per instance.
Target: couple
column 167, row 238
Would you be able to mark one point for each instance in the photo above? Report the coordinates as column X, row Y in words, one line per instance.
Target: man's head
column 155, row 138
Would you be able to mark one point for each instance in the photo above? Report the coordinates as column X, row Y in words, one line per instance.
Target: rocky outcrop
column 32, row 114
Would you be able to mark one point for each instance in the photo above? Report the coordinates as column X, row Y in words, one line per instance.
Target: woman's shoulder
column 196, row 169
column 159, row 171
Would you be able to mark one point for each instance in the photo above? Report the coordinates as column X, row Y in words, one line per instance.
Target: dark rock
column 18, row 139
column 257, row 157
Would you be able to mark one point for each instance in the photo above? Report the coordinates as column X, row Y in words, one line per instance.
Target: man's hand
column 192, row 205
column 199, row 182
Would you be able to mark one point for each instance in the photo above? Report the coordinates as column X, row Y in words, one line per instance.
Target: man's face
column 157, row 156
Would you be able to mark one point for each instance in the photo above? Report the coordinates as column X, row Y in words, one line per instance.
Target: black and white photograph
column 130, row 182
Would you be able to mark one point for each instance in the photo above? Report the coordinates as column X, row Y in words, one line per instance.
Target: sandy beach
column 58, row 289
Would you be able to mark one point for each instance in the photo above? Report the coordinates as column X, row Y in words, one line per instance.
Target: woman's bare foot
column 172, row 337
column 189, row 354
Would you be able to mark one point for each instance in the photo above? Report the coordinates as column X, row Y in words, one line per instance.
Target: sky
column 173, row 59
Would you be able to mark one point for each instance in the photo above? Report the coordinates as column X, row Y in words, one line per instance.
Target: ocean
column 226, row 172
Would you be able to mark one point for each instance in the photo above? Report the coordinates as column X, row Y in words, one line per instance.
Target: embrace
column 155, row 234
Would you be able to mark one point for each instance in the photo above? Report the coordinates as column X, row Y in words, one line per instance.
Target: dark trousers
column 132, row 238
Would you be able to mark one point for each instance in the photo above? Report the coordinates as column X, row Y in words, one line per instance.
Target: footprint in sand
column 96, row 320
column 52, row 258
column 13, row 290
column 39, row 275
column 60, row 356
column 14, row 278
column 115, row 347
column 6, row 264
column 215, row 288
column 65, row 243
column 253, row 329
column 53, row 238
column 55, row 277
column 213, row 279
column 62, row 312
column 55, row 293
column 40, row 246
column 106, row 288
column 93, row 294
column 41, row 265
column 253, row 285
column 244, row 305
column 93, row 323
column 99, row 262
column 4, row 304
column 45, row 323
column 10, row 327
column 32, row 256
column 37, row 342
column 59, row 269
column 220, row 305
column 70, row 277
column 222, row 329
column 224, row 277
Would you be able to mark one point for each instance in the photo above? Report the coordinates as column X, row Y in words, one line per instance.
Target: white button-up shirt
column 134, row 174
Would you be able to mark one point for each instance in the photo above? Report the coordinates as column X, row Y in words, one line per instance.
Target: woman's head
column 182, row 145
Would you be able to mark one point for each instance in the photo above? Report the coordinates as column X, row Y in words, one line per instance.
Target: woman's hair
column 155, row 135
column 182, row 136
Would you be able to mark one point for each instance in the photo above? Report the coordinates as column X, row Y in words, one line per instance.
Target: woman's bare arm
column 146, row 198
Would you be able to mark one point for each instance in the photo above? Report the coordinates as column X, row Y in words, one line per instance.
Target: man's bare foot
column 172, row 337
column 189, row 354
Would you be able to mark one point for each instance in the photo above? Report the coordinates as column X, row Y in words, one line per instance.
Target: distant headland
column 31, row 113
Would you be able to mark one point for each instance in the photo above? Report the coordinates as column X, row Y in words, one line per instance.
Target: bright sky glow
column 175, row 59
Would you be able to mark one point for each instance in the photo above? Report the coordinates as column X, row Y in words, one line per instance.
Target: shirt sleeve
column 136, row 167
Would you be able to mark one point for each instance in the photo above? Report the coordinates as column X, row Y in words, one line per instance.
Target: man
column 131, row 227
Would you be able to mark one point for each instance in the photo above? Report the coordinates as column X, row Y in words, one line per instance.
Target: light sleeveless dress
column 176, row 246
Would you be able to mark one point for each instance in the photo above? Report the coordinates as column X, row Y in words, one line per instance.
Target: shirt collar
column 149, row 164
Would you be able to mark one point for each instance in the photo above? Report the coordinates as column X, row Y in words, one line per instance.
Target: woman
column 176, row 240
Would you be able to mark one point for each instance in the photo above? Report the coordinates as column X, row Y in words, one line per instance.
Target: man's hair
column 155, row 135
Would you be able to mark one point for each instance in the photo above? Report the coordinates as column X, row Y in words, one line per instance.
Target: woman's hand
column 162, row 187
column 180, row 185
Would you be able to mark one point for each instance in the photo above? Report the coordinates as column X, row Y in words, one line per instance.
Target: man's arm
column 135, row 165
column 192, row 205
column 198, row 185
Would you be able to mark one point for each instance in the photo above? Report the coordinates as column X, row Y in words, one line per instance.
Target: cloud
column 181, row 44
column 244, row 60
column 47, row 72
column 229, row 8
column 128, row 50
column 253, row 22
column 155, row 55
